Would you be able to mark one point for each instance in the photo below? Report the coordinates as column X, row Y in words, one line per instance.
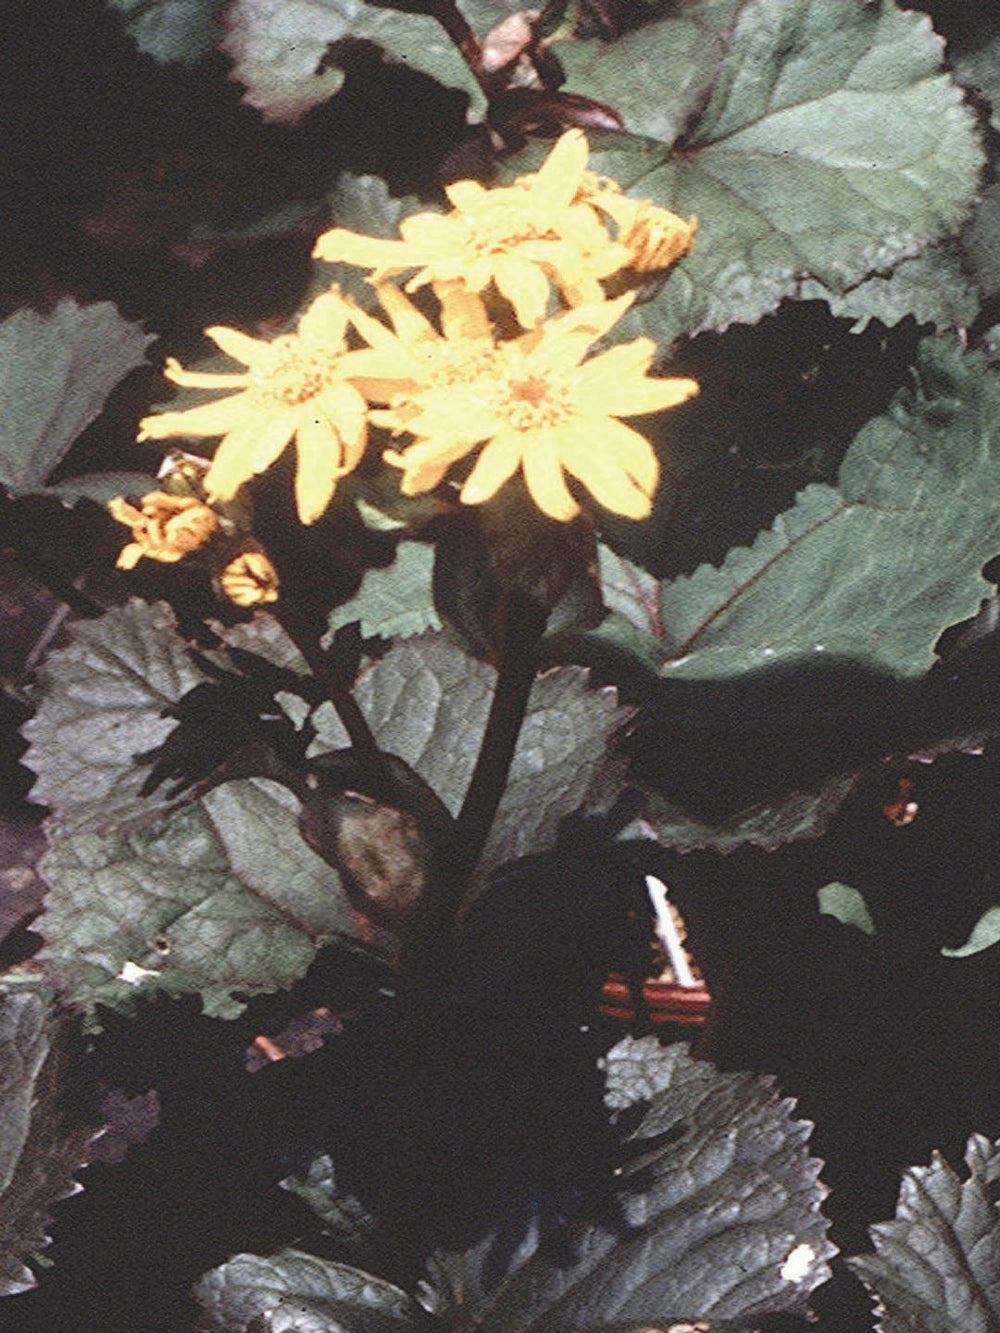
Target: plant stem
column 469, row 47
column 523, row 627
column 363, row 743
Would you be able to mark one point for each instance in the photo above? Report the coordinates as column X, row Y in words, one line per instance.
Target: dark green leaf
column 56, row 371
column 845, row 905
column 985, row 933
column 976, row 62
column 396, row 602
column 277, row 50
column 871, row 570
column 38, row 1152
column 293, row 1292
column 936, row 1266
column 181, row 30
column 428, row 701
column 812, row 139
column 716, row 1215
column 225, row 897
column 933, row 287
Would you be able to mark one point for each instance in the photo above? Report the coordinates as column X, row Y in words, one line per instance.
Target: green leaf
column 936, row 1266
column 976, row 62
column 981, row 239
column 767, row 826
column 56, row 370
column 277, row 49
column 716, row 1216
column 427, row 702
column 224, row 899
column 933, row 287
column 343, row 1216
column 102, row 702
column 294, row 1292
column 39, row 1151
column 845, row 905
column 168, row 30
column 985, row 933
column 871, row 570
column 395, row 602
column 812, row 139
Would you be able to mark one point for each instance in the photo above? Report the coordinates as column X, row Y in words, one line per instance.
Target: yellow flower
column 250, row 579
column 413, row 353
column 545, row 410
column 164, row 527
column 654, row 237
column 516, row 237
column 294, row 387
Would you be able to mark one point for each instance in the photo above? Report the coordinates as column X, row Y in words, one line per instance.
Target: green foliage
column 394, row 603
column 427, row 702
column 196, row 906
column 181, row 30
column 936, row 1266
column 276, row 50
column 717, row 1216
column 984, row 934
column 815, row 139
column 934, row 287
column 293, row 1292
column 710, row 1150
column 39, row 1151
column 225, row 898
column 56, row 370
column 845, row 905
column 871, row 570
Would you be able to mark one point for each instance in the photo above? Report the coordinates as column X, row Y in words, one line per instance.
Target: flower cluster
column 522, row 276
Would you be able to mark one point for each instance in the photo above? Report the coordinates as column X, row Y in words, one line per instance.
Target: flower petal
column 525, row 286
column 325, row 322
column 247, row 450
column 215, row 418
column 347, row 412
column 557, row 180
column 318, row 449
column 463, row 314
column 496, row 464
column 195, row 379
column 409, row 324
column 615, row 463
column 241, row 347
column 615, row 383
column 342, row 246
column 467, row 195
column 544, row 478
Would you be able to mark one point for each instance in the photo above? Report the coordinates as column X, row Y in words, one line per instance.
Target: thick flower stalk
column 516, row 237
column 294, row 388
column 535, row 404
column 164, row 527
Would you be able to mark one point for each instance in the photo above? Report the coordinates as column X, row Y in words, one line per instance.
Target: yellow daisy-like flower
column 164, row 527
column 545, row 410
column 517, row 237
column 294, row 387
column 413, row 353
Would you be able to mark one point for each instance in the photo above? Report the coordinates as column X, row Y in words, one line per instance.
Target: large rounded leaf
column 812, row 138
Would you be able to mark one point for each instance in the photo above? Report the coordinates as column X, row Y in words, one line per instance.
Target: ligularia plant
column 550, row 602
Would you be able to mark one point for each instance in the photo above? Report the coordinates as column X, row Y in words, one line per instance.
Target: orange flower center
column 532, row 403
